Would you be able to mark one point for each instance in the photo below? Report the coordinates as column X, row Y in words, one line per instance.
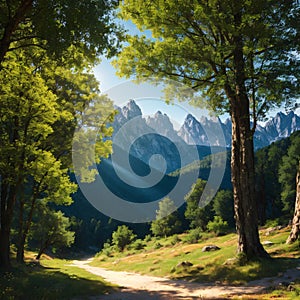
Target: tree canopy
column 42, row 102
column 194, row 42
column 167, row 220
column 56, row 25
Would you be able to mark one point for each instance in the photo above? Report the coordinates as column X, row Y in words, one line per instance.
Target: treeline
column 276, row 168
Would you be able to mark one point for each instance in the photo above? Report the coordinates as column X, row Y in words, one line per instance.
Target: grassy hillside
column 163, row 257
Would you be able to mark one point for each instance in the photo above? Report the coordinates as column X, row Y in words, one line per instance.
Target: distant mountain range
column 193, row 131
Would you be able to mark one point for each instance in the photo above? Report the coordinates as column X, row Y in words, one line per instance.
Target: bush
column 157, row 245
column 272, row 223
column 107, row 249
column 193, row 236
column 218, row 226
column 137, row 245
column 147, row 238
column 175, row 239
column 122, row 237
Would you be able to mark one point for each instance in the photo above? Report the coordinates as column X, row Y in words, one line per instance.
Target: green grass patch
column 52, row 279
column 215, row 266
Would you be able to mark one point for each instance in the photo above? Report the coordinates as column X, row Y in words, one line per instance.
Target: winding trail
column 143, row 287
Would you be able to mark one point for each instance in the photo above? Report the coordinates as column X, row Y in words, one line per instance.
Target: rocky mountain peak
column 194, row 131
column 161, row 124
column 131, row 110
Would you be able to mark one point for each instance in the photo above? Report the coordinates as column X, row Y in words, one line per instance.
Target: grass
column 56, row 279
column 207, row 266
column 52, row 279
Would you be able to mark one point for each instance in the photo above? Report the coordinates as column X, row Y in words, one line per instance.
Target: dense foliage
column 56, row 25
column 167, row 221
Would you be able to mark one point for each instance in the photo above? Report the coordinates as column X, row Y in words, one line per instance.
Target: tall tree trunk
column 8, row 198
column 41, row 251
column 242, row 157
column 294, row 235
column 24, row 230
column 21, row 241
column 242, row 168
column 44, row 246
column 4, row 249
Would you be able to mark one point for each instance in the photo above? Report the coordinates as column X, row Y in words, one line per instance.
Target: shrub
column 272, row 223
column 175, row 239
column 147, row 238
column 193, row 236
column 137, row 245
column 218, row 226
column 122, row 237
column 157, row 245
column 107, row 249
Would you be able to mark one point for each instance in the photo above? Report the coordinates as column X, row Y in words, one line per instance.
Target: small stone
column 273, row 229
column 268, row 243
column 230, row 261
column 210, row 248
column 184, row 264
column 291, row 288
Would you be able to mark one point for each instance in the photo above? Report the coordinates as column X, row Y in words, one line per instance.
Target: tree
column 28, row 109
column 218, row 226
column 239, row 56
column 51, row 229
column 55, row 25
column 122, row 237
column 52, row 184
column 41, row 102
column 289, row 177
column 167, row 219
column 198, row 216
column 223, row 206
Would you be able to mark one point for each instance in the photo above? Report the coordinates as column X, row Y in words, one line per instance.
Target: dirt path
column 143, row 287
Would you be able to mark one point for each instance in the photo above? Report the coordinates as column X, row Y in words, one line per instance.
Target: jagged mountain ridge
column 193, row 131
column 144, row 137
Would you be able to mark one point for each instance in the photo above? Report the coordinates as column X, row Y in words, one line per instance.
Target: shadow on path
column 143, row 287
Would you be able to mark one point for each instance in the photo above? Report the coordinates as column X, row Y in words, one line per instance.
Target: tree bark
column 294, row 235
column 242, row 168
column 41, row 251
column 242, row 159
column 21, row 240
column 7, row 203
column 12, row 25
column 43, row 248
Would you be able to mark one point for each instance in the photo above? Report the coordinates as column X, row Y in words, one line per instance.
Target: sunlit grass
column 207, row 266
column 53, row 279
